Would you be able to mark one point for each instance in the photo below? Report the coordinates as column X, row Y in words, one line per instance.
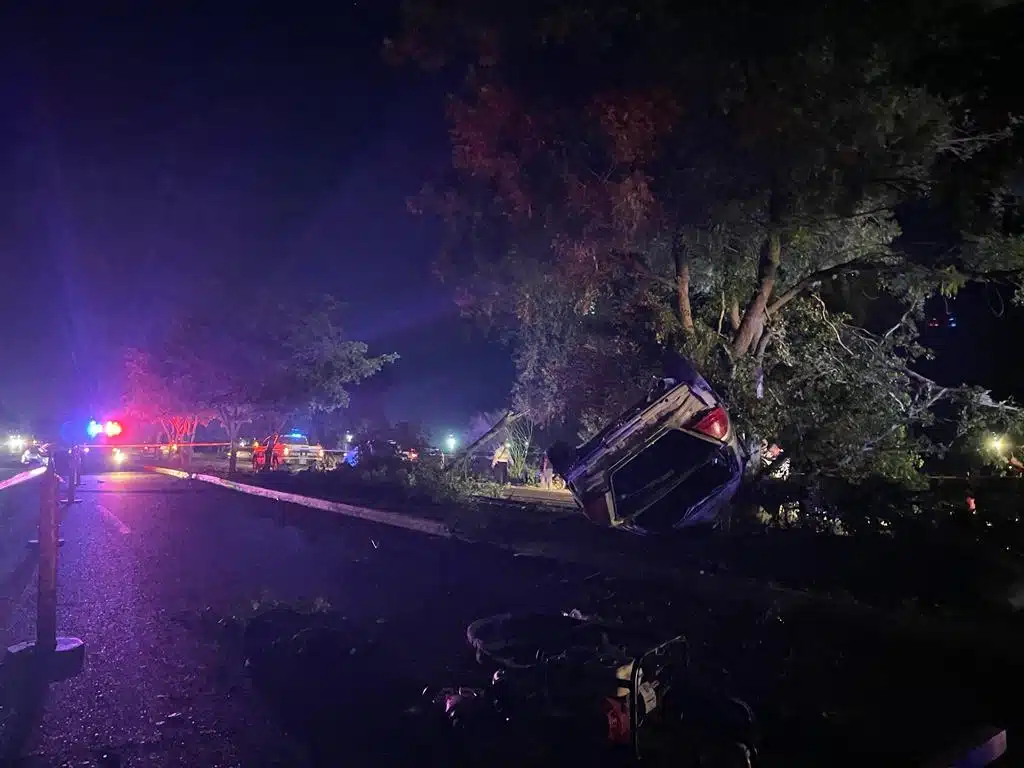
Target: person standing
column 546, row 473
column 499, row 463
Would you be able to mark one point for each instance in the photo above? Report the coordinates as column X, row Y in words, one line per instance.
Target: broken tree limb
column 461, row 456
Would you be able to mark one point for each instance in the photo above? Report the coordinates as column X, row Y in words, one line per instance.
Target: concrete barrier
column 394, row 519
column 170, row 472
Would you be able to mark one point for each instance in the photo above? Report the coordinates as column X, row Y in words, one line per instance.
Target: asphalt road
column 146, row 555
column 9, row 470
column 148, row 560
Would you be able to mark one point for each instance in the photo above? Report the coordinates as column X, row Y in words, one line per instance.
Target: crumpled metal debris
column 597, row 685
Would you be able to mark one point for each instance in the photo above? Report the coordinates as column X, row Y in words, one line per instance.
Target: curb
column 170, row 472
column 21, row 477
column 395, row 520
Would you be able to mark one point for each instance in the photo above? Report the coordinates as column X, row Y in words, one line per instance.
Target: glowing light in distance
column 997, row 443
column 110, row 429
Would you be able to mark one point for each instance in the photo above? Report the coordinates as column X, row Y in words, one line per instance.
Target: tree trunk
column 232, row 427
column 753, row 319
column 681, row 258
column 193, row 424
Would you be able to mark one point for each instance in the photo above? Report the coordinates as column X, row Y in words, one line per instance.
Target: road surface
column 149, row 559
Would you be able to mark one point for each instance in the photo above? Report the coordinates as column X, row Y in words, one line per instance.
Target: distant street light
column 451, row 443
column 348, row 437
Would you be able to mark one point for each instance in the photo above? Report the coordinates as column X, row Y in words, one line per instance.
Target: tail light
column 714, row 423
column 286, row 451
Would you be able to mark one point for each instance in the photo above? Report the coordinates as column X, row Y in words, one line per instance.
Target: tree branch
column 734, row 314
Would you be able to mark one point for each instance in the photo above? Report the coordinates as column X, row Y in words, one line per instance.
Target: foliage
column 520, row 441
column 386, row 481
column 203, row 368
column 699, row 179
column 168, row 392
column 307, row 363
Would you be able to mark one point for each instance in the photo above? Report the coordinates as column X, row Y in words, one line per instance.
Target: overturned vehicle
column 671, row 461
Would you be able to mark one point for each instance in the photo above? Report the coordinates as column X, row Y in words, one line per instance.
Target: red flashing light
column 714, row 423
column 112, row 428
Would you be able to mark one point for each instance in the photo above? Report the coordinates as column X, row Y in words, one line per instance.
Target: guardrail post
column 50, row 658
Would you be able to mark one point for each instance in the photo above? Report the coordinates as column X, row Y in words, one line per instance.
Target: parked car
column 243, row 450
column 671, row 461
column 291, row 450
column 378, row 449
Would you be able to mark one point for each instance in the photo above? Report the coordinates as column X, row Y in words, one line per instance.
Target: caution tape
column 21, row 477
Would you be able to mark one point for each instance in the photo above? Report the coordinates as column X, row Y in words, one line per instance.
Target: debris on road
column 573, row 684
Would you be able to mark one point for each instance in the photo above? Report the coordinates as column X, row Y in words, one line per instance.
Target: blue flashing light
column 94, row 428
column 295, row 434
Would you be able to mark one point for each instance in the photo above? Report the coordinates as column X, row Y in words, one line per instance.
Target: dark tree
column 631, row 177
column 207, row 367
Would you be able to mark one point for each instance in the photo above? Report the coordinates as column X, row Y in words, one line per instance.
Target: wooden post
column 48, row 658
column 49, row 524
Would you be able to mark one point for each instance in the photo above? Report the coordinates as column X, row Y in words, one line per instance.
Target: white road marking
column 115, row 521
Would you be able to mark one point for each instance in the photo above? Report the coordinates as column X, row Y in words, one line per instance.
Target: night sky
column 150, row 155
